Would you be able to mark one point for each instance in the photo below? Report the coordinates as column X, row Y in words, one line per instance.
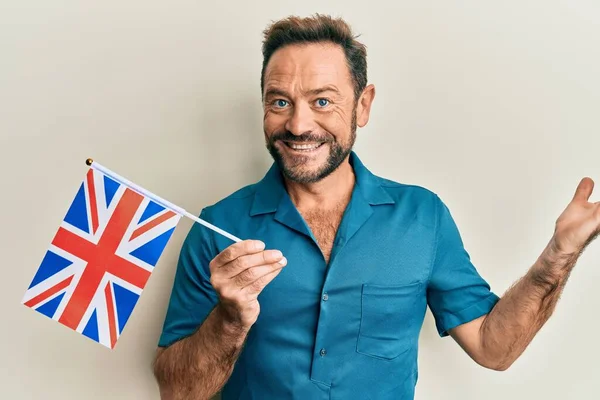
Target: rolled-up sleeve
column 456, row 292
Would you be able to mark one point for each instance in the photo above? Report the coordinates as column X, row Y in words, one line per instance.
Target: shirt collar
column 269, row 190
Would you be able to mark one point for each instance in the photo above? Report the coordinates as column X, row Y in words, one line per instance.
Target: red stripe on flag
column 54, row 289
column 73, row 244
column 102, row 258
column 112, row 327
column 82, row 296
column 152, row 224
column 128, row 272
column 120, row 220
column 114, row 264
column 92, row 196
column 87, row 251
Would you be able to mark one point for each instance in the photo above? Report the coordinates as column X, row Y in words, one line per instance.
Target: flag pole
column 167, row 204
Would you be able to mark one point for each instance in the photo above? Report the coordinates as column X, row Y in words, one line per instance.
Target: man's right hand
column 238, row 274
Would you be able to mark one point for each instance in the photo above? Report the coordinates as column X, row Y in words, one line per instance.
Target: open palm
column 579, row 224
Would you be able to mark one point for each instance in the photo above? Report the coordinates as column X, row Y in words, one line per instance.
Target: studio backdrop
column 493, row 106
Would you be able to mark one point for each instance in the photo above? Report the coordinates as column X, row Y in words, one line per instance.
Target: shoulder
column 413, row 202
column 413, row 195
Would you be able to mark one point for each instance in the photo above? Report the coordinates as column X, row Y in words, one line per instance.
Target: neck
column 327, row 193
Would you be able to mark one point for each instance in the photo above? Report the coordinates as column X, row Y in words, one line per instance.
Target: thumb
column 584, row 190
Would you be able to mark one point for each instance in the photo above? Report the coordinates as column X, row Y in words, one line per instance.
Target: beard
column 292, row 169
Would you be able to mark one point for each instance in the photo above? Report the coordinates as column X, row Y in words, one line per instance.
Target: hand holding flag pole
column 157, row 199
column 106, row 247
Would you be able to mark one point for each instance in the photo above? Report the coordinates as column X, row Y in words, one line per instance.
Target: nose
column 301, row 121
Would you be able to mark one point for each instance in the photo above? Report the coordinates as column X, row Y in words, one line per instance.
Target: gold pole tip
column 89, row 161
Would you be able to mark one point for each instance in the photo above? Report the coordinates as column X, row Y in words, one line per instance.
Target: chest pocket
column 389, row 323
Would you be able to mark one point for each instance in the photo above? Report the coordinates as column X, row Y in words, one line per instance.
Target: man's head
column 315, row 94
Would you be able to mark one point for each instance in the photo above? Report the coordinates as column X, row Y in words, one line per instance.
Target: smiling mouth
column 303, row 147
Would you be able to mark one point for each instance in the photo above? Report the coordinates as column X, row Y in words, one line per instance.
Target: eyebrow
column 279, row 92
column 328, row 88
column 276, row 92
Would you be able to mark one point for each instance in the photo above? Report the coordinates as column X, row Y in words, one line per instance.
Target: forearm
column 198, row 366
column 524, row 309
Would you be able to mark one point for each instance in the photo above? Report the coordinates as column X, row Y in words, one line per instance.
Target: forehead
column 308, row 66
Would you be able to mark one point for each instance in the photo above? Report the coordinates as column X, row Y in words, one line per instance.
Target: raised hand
column 579, row 224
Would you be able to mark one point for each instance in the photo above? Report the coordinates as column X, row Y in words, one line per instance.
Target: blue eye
column 280, row 103
column 323, row 102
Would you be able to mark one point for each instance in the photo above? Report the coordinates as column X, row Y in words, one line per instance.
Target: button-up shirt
column 344, row 329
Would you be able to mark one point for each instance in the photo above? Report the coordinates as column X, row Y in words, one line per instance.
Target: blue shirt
column 344, row 330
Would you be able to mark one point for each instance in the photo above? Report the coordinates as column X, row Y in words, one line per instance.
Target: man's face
column 309, row 110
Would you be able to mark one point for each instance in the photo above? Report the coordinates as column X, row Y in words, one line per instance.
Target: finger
column 236, row 250
column 254, row 288
column 247, row 276
column 244, row 262
column 584, row 190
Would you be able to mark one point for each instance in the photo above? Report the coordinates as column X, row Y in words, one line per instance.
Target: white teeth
column 304, row 146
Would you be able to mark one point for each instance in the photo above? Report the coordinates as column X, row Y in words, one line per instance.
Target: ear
column 363, row 109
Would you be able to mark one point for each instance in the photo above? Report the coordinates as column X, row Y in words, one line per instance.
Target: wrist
column 555, row 261
column 230, row 324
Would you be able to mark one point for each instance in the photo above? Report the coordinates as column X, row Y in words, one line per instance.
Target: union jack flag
column 99, row 261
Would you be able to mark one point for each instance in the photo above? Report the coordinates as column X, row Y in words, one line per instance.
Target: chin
column 304, row 174
column 308, row 168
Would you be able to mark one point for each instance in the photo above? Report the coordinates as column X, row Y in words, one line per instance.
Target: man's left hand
column 579, row 224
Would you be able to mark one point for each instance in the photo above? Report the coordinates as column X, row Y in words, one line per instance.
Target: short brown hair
column 315, row 29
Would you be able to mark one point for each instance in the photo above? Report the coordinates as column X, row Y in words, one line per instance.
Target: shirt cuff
column 452, row 320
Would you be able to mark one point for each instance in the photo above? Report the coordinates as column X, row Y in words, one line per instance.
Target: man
column 329, row 300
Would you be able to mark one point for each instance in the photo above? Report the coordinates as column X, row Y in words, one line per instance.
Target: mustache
column 307, row 137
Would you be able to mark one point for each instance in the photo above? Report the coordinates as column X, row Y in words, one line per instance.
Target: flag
column 101, row 257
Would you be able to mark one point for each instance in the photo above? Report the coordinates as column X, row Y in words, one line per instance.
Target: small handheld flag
column 102, row 255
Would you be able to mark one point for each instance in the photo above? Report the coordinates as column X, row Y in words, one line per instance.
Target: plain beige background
column 494, row 106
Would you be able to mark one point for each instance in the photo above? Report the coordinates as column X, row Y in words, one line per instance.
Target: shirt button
column 325, row 297
column 323, row 352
